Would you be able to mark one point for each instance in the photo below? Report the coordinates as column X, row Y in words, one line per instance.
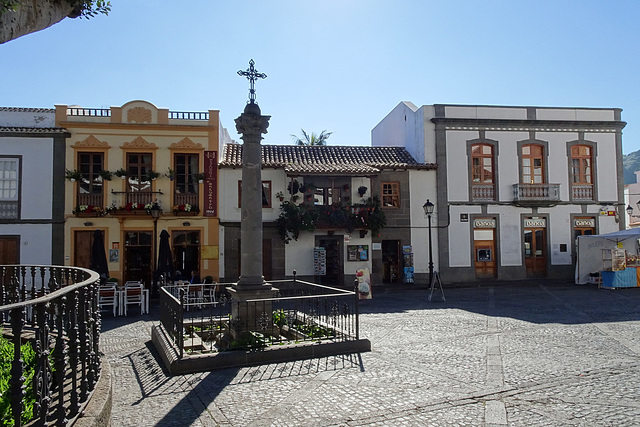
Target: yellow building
column 121, row 161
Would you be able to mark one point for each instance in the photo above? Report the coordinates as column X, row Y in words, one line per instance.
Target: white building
column 515, row 185
column 343, row 190
column 32, row 173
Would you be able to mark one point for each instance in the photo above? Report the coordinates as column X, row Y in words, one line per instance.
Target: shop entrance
column 582, row 227
column 391, row 261
column 186, row 252
column 484, row 248
column 334, row 265
column 535, row 247
column 137, row 256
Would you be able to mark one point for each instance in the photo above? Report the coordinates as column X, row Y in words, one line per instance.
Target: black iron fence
column 203, row 319
column 50, row 332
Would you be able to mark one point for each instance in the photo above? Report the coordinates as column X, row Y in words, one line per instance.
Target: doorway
column 582, row 227
column 391, row 261
column 186, row 252
column 82, row 242
column 137, row 256
column 9, row 250
column 535, row 251
column 484, row 249
column 334, row 260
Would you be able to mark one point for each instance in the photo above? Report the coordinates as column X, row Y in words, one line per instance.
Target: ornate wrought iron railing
column 54, row 310
column 301, row 311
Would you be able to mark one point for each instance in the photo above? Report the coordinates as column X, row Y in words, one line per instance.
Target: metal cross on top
column 252, row 74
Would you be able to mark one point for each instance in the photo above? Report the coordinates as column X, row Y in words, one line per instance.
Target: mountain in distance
column 631, row 163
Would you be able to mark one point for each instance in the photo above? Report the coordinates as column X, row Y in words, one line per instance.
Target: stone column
column 251, row 284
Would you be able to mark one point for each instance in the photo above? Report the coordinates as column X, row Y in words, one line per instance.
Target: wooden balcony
column 536, row 194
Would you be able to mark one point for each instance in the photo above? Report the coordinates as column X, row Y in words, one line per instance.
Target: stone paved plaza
column 528, row 354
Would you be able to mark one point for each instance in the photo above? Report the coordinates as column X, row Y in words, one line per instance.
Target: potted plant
column 151, row 175
column 199, row 177
column 362, row 190
column 121, row 173
column 73, row 175
column 105, row 175
column 280, row 196
column 170, row 174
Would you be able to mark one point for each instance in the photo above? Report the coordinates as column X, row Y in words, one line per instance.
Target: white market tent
column 590, row 250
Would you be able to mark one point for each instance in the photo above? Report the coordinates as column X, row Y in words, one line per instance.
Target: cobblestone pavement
column 530, row 354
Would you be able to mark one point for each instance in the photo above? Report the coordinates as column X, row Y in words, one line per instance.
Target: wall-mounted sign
column 535, row 222
column 584, row 222
column 484, row 223
column 464, row 217
column 210, row 183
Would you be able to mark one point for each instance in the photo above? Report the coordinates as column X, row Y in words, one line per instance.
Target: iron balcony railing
column 536, row 192
column 199, row 322
column 51, row 320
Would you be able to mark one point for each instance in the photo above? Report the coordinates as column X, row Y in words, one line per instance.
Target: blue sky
column 335, row 65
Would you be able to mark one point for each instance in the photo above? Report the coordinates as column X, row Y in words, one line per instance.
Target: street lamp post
column 155, row 214
column 428, row 210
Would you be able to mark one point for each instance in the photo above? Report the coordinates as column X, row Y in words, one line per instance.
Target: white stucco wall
column 422, row 186
column 299, row 253
column 35, row 242
column 31, row 118
column 37, row 170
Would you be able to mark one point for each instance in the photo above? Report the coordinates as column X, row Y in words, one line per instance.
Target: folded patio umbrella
column 165, row 257
column 98, row 260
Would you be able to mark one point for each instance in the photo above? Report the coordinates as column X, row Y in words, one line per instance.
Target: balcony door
column 532, row 162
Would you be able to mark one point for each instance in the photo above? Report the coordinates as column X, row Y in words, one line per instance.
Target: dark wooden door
column 82, row 248
column 9, row 250
column 535, row 251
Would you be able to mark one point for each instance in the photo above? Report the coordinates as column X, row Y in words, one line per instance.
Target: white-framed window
column 9, row 187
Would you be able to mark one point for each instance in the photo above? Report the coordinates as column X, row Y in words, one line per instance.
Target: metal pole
column 430, row 253
column 154, row 284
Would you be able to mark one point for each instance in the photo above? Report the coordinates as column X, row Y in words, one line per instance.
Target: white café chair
column 107, row 296
column 194, row 294
column 133, row 295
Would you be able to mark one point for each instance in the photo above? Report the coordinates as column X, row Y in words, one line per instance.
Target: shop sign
column 585, row 222
column 484, row 223
column 210, row 183
column 535, row 223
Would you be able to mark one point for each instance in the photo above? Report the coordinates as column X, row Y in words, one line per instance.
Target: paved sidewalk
column 518, row 355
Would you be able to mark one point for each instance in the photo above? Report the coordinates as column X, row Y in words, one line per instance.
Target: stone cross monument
column 251, row 284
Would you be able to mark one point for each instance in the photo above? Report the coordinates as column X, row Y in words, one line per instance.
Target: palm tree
column 313, row 139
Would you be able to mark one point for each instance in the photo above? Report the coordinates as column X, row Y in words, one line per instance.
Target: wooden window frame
column 390, row 191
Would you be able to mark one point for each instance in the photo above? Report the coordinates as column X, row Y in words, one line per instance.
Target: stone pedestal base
column 252, row 310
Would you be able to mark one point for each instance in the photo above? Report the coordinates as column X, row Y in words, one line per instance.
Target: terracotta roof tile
column 30, row 110
column 11, row 129
column 350, row 160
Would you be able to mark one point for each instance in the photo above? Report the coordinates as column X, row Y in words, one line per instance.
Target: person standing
column 194, row 277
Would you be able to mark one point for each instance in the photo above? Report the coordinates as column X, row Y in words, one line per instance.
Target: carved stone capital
column 251, row 125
